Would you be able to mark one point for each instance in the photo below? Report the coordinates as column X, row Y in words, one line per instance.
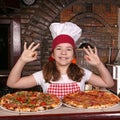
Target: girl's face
column 63, row 54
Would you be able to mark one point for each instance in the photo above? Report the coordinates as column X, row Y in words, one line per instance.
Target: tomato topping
column 43, row 103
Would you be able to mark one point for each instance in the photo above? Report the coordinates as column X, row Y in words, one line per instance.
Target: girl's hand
column 29, row 54
column 91, row 56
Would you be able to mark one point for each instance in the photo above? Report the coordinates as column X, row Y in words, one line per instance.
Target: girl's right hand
column 29, row 54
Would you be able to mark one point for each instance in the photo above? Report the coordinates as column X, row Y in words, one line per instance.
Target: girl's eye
column 69, row 49
column 58, row 48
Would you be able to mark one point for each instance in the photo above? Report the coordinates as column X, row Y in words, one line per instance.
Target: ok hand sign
column 29, row 54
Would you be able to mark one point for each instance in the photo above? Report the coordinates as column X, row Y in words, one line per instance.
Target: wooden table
column 65, row 113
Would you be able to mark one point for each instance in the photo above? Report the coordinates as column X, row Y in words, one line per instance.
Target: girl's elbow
column 9, row 85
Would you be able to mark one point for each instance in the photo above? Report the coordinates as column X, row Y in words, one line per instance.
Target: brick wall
column 99, row 27
column 97, row 20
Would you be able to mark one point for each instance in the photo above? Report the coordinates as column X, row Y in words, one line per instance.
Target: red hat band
column 63, row 39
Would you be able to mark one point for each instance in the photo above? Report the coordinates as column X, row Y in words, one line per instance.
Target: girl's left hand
column 91, row 56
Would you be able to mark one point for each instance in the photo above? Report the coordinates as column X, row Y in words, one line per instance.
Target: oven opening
column 4, row 34
column 85, row 43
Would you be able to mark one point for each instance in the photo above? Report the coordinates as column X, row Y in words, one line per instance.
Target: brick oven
column 98, row 28
column 98, row 20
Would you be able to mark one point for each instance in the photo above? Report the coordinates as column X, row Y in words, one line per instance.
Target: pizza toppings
column 29, row 101
column 91, row 99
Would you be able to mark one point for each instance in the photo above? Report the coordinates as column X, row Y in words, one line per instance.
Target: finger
column 86, row 51
column 34, row 55
column 25, row 45
column 35, row 47
column 87, row 58
column 90, row 49
column 31, row 45
column 95, row 49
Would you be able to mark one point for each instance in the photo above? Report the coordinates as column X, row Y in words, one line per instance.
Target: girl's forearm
column 15, row 73
column 105, row 74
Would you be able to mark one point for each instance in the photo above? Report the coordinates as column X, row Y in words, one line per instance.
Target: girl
column 60, row 76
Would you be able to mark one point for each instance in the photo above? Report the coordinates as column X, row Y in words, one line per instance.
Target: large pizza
column 29, row 101
column 91, row 99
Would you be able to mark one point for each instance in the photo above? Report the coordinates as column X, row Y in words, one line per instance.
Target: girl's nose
column 63, row 51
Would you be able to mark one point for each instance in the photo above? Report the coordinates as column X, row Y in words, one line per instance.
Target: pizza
column 29, row 101
column 91, row 99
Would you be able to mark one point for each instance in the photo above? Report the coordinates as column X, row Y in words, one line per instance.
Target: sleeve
column 87, row 74
column 39, row 77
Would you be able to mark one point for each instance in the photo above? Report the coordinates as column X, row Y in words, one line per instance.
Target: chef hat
column 67, row 32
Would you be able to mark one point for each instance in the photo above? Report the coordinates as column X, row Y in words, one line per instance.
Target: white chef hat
column 67, row 32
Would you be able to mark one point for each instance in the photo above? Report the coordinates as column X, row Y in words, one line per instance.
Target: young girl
column 60, row 76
